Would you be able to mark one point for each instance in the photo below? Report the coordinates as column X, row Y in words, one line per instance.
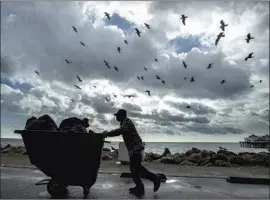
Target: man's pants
column 137, row 170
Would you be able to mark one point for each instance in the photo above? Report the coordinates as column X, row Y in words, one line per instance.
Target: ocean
column 158, row 147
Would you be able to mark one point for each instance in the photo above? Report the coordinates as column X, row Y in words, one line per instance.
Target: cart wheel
column 86, row 190
column 55, row 189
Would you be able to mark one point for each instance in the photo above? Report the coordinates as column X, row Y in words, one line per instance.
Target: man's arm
column 116, row 132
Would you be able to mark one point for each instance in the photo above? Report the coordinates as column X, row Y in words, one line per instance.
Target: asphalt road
column 20, row 183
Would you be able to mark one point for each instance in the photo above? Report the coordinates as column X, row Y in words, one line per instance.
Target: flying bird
column 107, row 64
column 72, row 100
column 68, row 62
column 156, row 59
column 138, row 32
column 218, row 37
column 183, row 17
column 188, row 107
column 107, row 99
column 145, row 68
column 78, row 87
column 129, row 95
column 107, row 15
column 185, row 65
column 185, row 78
column 79, row 78
column 210, row 66
column 148, row 91
column 192, row 79
column 82, row 44
column 163, row 82
column 36, row 72
column 142, row 77
column 249, row 56
column 158, row 77
column 45, row 106
column 119, row 49
column 94, row 86
column 249, row 38
column 260, row 81
column 138, row 77
column 115, row 96
column 116, row 68
column 126, row 41
column 223, row 25
column 251, row 86
column 147, row 25
column 223, row 81
column 74, row 29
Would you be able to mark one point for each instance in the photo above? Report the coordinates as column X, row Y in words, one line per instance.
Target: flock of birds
column 185, row 65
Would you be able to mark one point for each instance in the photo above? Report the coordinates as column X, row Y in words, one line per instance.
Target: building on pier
column 254, row 141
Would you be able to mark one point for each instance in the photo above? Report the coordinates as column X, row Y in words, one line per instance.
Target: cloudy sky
column 39, row 36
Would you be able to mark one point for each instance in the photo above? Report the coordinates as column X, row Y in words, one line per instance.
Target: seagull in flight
column 223, row 25
column 188, row 107
column 138, row 77
column 129, row 95
column 126, row 41
column 249, row 56
column 82, row 44
column 147, row 25
column 156, row 59
column 68, row 62
column 107, row 99
column 119, row 49
column 115, row 96
column 72, row 100
column 223, row 81
column 183, row 17
column 163, row 82
column 249, row 38
column 158, row 77
column 116, row 69
column 78, row 87
column 145, row 69
column 185, row 65
column 210, row 66
column 148, row 91
column 74, row 29
column 79, row 78
column 107, row 15
column 251, row 86
column 138, row 32
column 260, row 81
column 218, row 37
column 142, row 77
column 192, row 79
column 36, row 72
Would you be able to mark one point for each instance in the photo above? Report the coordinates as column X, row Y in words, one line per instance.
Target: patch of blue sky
column 184, row 45
column 120, row 22
column 24, row 87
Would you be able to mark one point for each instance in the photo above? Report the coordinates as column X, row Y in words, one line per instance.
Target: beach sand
column 167, row 169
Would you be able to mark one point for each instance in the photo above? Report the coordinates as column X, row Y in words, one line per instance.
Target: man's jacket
column 130, row 136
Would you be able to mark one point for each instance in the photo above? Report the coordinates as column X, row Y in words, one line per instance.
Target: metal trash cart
column 67, row 158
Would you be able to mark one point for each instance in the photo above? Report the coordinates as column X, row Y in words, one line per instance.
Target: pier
column 254, row 141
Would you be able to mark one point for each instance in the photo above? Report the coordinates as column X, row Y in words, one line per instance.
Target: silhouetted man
column 135, row 147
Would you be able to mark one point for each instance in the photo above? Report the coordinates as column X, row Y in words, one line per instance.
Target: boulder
column 179, row 158
column 218, row 157
column 45, row 122
column 226, row 153
column 168, row 160
column 193, row 150
column 258, row 159
column 152, row 156
column 237, row 160
column 74, row 124
column 106, row 157
column 186, row 162
column 205, row 161
column 195, row 158
column 8, row 148
column 221, row 163
column 166, row 152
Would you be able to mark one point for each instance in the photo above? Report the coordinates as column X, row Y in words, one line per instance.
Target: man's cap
column 121, row 112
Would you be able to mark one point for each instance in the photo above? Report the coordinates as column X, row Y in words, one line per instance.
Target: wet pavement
column 20, row 183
